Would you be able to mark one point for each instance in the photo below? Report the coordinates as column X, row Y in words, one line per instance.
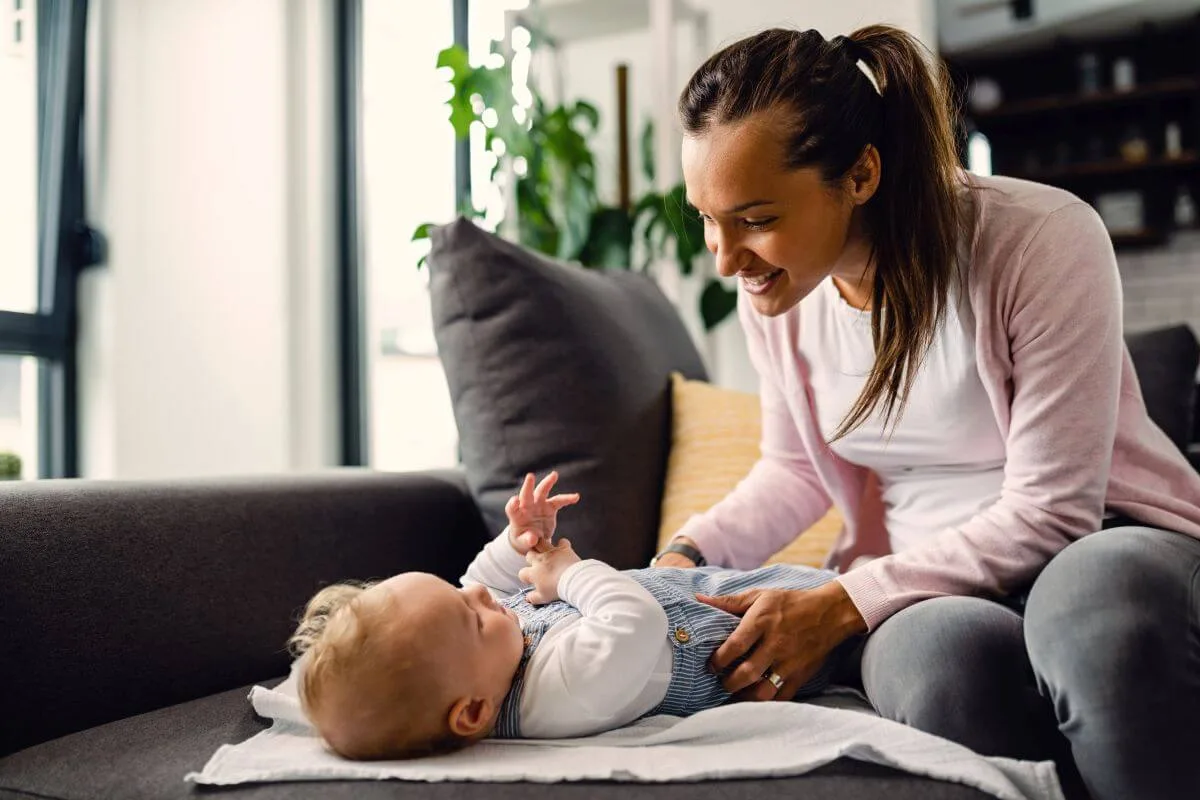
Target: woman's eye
column 758, row 224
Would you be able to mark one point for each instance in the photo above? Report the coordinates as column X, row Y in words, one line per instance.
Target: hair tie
column 854, row 50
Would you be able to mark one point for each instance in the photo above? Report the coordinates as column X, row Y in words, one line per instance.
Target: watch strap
column 683, row 549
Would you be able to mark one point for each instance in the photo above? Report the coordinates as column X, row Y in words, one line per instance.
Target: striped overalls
column 694, row 629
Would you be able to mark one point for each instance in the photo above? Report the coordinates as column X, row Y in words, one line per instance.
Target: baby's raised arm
column 532, row 517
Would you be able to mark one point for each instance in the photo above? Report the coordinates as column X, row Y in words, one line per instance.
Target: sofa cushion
column 1165, row 360
column 715, row 434
column 148, row 755
column 552, row 366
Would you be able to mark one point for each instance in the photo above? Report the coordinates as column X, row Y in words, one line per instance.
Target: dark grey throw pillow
column 1165, row 361
column 553, row 366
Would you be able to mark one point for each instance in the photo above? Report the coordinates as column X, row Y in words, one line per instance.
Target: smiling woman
column 940, row 358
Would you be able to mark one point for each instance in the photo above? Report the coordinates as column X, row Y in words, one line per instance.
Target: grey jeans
column 1100, row 674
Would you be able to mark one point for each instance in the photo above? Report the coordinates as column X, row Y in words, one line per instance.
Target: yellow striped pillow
column 714, row 442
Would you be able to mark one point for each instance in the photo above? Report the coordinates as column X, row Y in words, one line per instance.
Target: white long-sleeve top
column 591, row 673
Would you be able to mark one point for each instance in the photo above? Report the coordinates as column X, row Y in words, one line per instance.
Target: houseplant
column 546, row 150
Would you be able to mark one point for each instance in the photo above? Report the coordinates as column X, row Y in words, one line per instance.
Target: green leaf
column 589, row 113
column 455, row 57
column 576, row 217
column 647, row 147
column 610, row 239
column 686, row 227
column 461, row 117
column 422, row 231
column 716, row 303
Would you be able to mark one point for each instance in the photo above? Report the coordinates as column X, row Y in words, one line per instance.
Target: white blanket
column 742, row 740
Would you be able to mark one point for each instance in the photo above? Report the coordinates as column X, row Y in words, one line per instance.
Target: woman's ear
column 864, row 175
column 470, row 716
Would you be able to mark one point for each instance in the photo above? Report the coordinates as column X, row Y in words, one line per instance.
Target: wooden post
column 623, row 191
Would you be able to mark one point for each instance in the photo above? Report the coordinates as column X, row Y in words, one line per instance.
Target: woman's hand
column 545, row 569
column 676, row 559
column 788, row 632
column 533, row 514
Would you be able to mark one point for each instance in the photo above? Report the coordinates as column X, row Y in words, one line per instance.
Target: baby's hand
column 533, row 511
column 545, row 569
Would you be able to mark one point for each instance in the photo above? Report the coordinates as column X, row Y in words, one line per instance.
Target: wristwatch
column 684, row 550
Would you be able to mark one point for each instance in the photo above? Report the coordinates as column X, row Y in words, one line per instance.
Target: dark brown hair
column 914, row 218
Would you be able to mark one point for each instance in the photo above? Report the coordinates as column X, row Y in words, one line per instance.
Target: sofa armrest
column 119, row 597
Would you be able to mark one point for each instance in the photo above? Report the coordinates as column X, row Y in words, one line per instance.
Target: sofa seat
column 147, row 756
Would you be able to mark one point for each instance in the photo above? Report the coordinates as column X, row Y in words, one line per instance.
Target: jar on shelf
column 1185, row 208
column 1134, row 146
column 1124, row 77
column 1173, row 140
column 1089, row 73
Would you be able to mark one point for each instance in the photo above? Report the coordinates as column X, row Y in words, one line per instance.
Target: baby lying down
column 536, row 643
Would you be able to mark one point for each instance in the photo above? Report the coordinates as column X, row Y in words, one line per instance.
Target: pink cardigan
column 1046, row 298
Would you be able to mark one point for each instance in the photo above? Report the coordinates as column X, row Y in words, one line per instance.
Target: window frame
column 65, row 243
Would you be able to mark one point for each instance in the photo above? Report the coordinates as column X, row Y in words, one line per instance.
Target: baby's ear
column 470, row 716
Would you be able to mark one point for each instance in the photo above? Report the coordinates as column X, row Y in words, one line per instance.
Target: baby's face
column 475, row 641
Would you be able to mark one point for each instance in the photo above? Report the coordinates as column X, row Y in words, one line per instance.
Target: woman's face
column 780, row 231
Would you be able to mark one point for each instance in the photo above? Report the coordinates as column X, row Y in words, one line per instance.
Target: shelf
column 580, row 20
column 1068, row 102
column 1186, row 160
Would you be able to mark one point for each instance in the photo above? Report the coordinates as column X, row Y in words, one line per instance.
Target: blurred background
column 212, row 212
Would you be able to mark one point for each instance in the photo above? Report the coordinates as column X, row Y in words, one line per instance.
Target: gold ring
column 775, row 679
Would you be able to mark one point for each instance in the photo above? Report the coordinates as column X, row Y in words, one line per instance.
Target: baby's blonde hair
column 345, row 655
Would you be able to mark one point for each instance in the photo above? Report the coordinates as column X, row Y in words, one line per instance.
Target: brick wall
column 1162, row 286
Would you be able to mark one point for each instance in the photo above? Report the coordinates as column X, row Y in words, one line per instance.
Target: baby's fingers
column 543, row 489
column 527, row 490
column 561, row 501
column 525, row 575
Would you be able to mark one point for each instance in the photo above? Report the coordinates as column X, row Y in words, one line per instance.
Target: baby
column 536, row 643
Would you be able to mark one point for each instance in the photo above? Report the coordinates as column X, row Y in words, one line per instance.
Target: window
column 43, row 241
column 406, row 177
column 405, row 168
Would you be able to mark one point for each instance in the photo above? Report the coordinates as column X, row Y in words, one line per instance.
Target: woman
column 941, row 357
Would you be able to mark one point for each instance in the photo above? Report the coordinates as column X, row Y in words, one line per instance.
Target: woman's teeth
column 761, row 280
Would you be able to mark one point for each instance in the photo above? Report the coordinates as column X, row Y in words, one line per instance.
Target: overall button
column 682, row 636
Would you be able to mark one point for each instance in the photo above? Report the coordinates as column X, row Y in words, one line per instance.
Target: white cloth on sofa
column 741, row 740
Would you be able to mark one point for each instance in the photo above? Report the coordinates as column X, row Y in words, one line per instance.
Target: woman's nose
column 729, row 255
column 730, row 259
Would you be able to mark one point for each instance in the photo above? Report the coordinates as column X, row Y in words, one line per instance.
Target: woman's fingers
column 737, row 604
column 749, row 672
column 739, row 643
column 794, row 682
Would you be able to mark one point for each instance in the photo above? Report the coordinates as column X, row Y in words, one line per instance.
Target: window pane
column 18, row 159
column 408, row 179
column 18, row 417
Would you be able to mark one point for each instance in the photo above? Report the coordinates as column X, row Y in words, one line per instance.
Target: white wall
column 208, row 340
column 589, row 73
